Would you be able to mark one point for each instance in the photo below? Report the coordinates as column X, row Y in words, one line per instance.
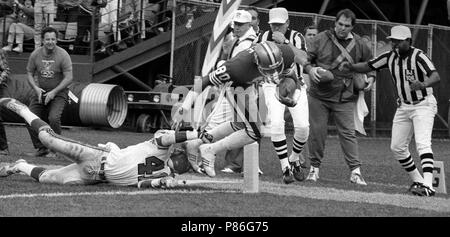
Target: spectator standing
column 310, row 32
column 23, row 28
column 87, row 9
column 413, row 74
column 255, row 20
column 294, row 165
column 44, row 15
column 7, row 17
column 67, row 11
column 4, row 77
column 328, row 50
column 51, row 65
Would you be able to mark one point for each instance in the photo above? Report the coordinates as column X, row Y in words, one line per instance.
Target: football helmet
column 269, row 59
column 178, row 161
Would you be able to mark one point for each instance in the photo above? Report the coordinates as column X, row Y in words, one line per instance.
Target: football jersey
column 242, row 69
column 129, row 165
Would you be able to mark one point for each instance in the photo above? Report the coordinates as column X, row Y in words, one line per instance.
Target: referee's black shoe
column 288, row 176
column 421, row 189
column 298, row 170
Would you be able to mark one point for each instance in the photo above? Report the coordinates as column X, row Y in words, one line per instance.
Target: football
column 359, row 81
column 325, row 75
column 286, row 87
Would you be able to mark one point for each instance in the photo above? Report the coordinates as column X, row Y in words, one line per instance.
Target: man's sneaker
column 8, row 170
column 299, row 170
column 208, row 159
column 229, row 170
column 51, row 154
column 288, row 176
column 43, row 151
column 423, row 190
column 356, row 178
column 313, row 174
column 260, row 171
column 7, row 48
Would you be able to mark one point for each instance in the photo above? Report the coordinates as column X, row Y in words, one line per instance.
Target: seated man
column 143, row 164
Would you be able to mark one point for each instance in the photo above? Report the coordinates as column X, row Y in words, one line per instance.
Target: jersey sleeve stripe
column 425, row 63
column 214, row 80
column 379, row 62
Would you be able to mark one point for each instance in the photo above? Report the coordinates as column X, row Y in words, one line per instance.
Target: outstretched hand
column 370, row 82
column 417, row 85
column 177, row 119
column 314, row 75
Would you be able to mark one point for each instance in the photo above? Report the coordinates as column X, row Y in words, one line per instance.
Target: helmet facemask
column 269, row 59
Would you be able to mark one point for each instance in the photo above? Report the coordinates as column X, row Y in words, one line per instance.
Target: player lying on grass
column 265, row 61
column 144, row 164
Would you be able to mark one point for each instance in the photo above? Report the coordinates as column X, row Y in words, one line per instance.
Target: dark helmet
column 178, row 161
column 269, row 59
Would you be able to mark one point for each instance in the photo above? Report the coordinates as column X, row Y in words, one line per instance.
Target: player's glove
column 177, row 119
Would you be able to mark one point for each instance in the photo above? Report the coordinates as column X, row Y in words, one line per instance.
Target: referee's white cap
column 400, row 32
column 278, row 15
column 242, row 16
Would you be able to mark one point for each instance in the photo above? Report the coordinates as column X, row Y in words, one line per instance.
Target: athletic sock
column 297, row 148
column 427, row 162
column 410, row 167
column 281, row 150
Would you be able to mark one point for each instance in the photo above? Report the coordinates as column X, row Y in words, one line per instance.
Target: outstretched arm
column 362, row 67
column 177, row 117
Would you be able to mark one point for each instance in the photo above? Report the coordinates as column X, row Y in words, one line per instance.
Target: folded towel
column 361, row 111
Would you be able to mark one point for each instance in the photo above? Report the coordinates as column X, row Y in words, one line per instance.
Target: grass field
column 333, row 195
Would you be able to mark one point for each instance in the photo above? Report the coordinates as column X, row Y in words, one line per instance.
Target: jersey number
column 222, row 74
column 151, row 165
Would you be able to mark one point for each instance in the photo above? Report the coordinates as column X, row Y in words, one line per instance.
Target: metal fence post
column 172, row 41
column 373, row 98
column 430, row 42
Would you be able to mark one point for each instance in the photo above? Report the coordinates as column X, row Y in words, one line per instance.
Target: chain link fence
column 432, row 39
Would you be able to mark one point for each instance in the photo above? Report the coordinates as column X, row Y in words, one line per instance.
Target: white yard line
column 437, row 204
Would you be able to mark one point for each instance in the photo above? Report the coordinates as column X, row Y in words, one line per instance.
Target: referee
column 413, row 74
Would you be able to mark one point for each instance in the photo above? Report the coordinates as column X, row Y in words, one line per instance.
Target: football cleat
column 288, row 176
column 414, row 185
column 8, row 170
column 313, row 174
column 208, row 159
column 299, row 170
column 192, row 154
column 422, row 190
column 356, row 178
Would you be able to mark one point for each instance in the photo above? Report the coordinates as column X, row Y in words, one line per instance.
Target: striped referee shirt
column 295, row 37
column 404, row 70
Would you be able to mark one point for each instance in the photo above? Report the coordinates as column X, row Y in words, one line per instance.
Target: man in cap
column 413, row 74
column 328, row 50
column 280, row 33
